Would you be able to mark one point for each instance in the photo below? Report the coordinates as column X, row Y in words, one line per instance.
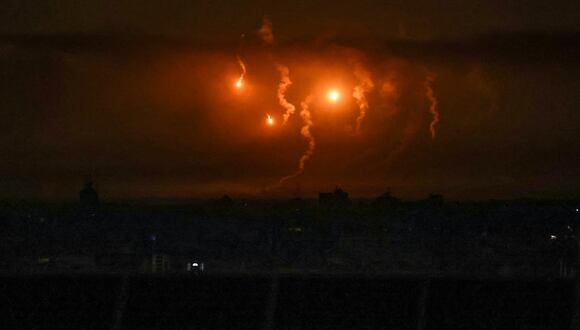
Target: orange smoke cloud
column 305, row 131
column 282, row 87
column 240, row 80
column 265, row 31
column 433, row 107
column 388, row 89
column 365, row 85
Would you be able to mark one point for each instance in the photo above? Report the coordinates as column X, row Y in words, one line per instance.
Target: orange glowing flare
column 270, row 120
column 241, row 79
column 333, row 95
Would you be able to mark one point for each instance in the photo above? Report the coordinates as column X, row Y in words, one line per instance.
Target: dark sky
column 139, row 96
column 225, row 19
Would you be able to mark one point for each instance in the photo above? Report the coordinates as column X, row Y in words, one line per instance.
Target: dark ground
column 296, row 302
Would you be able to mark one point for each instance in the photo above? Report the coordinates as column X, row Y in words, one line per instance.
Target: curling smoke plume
column 282, row 86
column 243, row 67
column 265, row 31
column 433, row 107
column 365, row 85
column 305, row 131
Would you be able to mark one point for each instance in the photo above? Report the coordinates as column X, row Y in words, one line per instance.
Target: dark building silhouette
column 226, row 202
column 334, row 200
column 88, row 196
column 386, row 200
column 297, row 204
column 434, row 200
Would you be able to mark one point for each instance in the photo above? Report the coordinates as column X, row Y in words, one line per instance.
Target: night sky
column 139, row 96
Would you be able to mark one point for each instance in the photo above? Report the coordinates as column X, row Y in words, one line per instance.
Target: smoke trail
column 365, row 85
column 266, row 34
column 265, row 31
column 282, row 86
column 305, row 131
column 243, row 67
column 433, row 107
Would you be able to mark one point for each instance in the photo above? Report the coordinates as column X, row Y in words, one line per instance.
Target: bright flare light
column 239, row 83
column 270, row 120
column 243, row 67
column 333, row 95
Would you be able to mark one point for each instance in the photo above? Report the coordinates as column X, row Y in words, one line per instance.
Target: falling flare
column 365, row 85
column 270, row 120
column 282, row 87
column 305, row 131
column 240, row 80
column 433, row 107
column 333, row 96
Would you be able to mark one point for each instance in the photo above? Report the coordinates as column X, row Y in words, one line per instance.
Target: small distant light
column 553, row 237
column 577, row 210
column 153, row 237
column 195, row 264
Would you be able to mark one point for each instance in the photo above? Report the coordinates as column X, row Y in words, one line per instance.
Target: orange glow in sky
column 333, row 95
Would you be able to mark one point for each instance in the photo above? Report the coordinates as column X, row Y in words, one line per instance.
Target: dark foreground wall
column 296, row 302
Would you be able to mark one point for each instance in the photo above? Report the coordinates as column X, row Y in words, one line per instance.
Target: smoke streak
column 305, row 131
column 433, row 107
column 365, row 85
column 265, row 31
column 243, row 67
column 266, row 34
column 282, row 86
